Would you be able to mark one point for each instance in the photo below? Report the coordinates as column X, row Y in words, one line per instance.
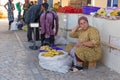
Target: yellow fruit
column 114, row 13
column 101, row 12
column 47, row 48
column 52, row 53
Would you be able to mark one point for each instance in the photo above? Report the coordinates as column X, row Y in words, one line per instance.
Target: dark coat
column 32, row 15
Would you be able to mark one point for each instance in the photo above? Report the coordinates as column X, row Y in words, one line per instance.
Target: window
column 112, row 3
column 115, row 3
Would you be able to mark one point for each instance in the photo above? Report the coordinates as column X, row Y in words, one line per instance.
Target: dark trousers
column 20, row 26
column 10, row 22
column 49, row 40
column 19, row 15
column 30, row 31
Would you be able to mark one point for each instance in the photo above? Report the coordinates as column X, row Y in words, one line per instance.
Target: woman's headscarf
column 82, row 18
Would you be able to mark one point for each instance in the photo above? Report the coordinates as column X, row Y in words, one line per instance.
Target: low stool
column 90, row 65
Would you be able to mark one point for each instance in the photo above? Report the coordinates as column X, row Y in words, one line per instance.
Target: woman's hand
column 75, row 29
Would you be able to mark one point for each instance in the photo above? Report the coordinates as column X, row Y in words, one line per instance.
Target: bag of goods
column 55, row 60
column 14, row 26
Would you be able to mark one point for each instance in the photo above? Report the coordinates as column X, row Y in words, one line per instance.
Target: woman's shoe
column 76, row 68
column 79, row 67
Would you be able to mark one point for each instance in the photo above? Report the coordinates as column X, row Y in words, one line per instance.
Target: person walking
column 9, row 6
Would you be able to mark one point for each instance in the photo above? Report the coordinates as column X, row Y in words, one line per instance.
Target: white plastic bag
column 14, row 26
column 61, row 63
column 60, row 40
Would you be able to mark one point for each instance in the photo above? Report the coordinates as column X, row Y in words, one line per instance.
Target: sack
column 61, row 63
column 14, row 26
column 25, row 27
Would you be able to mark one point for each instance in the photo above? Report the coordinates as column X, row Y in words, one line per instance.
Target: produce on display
column 115, row 13
column 101, row 12
column 50, row 52
column 69, row 9
column 108, row 13
column 47, row 48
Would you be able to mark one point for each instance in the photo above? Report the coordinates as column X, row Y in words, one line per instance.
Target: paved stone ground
column 18, row 62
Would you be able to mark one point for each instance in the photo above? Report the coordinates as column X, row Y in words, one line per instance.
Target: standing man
column 47, row 25
column 9, row 6
column 32, row 16
column 18, row 6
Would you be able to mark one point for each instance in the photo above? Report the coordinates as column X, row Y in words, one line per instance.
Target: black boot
column 52, row 40
column 42, row 39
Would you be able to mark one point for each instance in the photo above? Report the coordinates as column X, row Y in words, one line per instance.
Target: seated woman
column 88, row 47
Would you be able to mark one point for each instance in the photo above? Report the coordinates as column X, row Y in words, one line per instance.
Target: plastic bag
column 60, row 40
column 61, row 63
column 25, row 27
column 14, row 26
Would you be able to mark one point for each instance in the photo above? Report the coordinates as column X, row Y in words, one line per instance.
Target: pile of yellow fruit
column 101, row 12
column 50, row 52
column 115, row 13
column 47, row 48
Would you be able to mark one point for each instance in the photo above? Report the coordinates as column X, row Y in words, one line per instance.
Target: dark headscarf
column 82, row 18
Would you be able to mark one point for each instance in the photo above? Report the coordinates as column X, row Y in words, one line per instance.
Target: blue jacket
column 32, row 15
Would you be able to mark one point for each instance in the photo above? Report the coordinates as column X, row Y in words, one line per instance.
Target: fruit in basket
column 47, row 54
column 52, row 53
column 47, row 48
